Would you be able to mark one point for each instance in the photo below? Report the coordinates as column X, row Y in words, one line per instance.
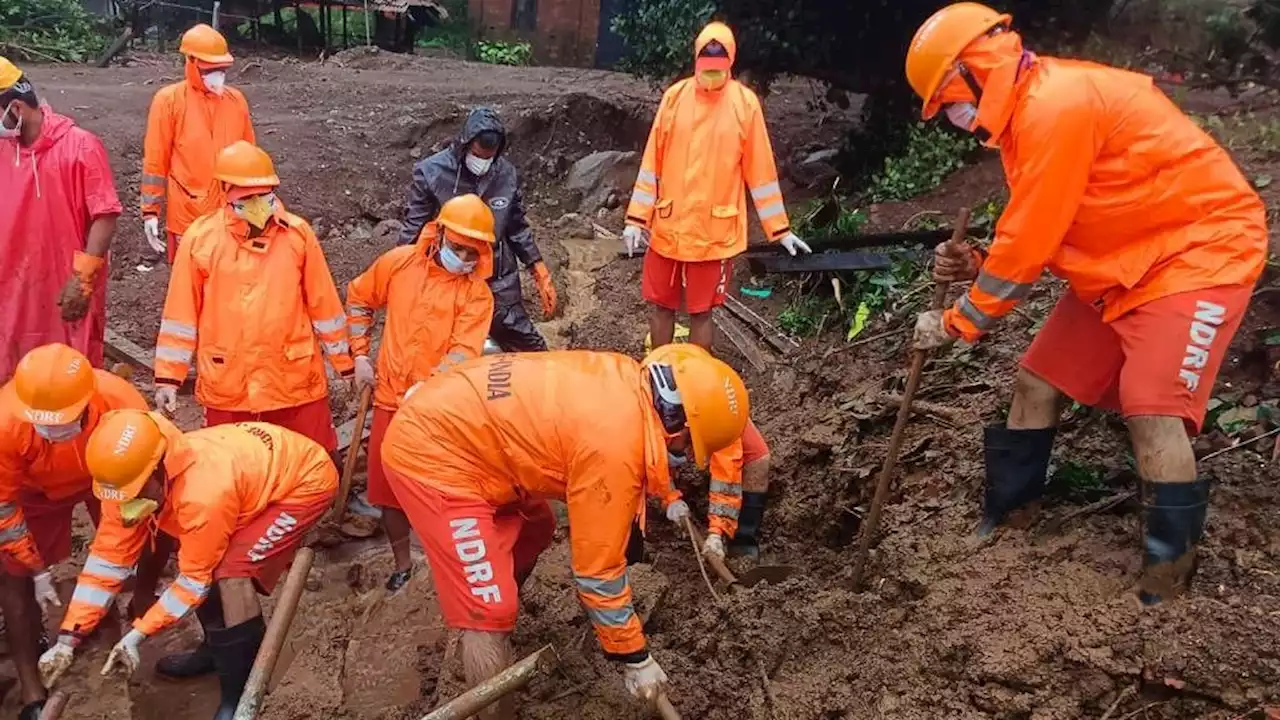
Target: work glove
column 635, row 238
column 125, row 654
column 166, row 398
column 75, row 295
column 546, row 290
column 645, row 680
column 46, row 593
column 364, row 376
column 930, row 333
column 793, row 243
column 677, row 512
column 955, row 262
column 713, row 546
column 56, row 660
column 156, row 239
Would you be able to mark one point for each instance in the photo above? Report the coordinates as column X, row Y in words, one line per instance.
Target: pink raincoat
column 49, row 195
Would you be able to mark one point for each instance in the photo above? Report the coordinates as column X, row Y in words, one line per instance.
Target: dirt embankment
column 1038, row 623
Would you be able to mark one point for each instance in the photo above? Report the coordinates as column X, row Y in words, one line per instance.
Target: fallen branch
column 872, row 338
column 744, row 344
column 1119, row 699
column 116, row 47
column 1094, row 507
column 924, row 407
column 1239, row 445
column 495, row 688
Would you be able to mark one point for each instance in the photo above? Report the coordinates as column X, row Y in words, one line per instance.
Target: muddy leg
column 396, row 524
column 23, row 625
column 662, row 325
column 1176, row 505
column 1036, row 403
column 239, row 600
column 701, row 329
column 485, row 654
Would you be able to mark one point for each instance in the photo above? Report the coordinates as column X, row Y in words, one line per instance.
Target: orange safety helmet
column 122, row 453
column 206, row 45
column 938, row 43
column 53, row 384
column 469, row 216
column 243, row 164
column 713, row 395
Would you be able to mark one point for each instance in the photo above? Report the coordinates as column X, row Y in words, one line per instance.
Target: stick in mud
column 353, row 454
column 495, row 688
column 54, row 706
column 277, row 631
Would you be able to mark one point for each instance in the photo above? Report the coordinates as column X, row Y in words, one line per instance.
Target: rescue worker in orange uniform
column 58, row 212
column 707, row 142
column 438, row 311
column 47, row 412
column 238, row 498
column 189, row 122
column 1159, row 235
column 252, row 302
column 473, row 455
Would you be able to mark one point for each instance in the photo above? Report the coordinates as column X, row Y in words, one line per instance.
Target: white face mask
column 59, row 433
column 963, row 115
column 478, row 165
column 10, row 115
column 216, row 81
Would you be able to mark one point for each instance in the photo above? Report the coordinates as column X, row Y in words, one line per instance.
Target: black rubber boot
column 1017, row 469
column 1175, row 515
column 31, row 711
column 181, row 666
column 396, row 580
column 234, row 649
column 746, row 542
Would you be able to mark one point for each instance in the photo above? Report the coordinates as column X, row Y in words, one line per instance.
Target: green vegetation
column 660, row 33
column 1072, row 481
column 931, row 154
column 804, row 316
column 59, row 30
column 497, row 52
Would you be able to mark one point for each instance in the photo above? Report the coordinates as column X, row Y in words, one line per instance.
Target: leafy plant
column 931, row 154
column 497, row 52
column 1077, row 482
column 659, row 35
column 60, row 30
column 803, row 316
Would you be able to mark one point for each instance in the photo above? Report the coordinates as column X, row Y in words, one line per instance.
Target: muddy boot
column 180, row 666
column 397, row 580
column 1017, row 469
column 746, row 542
column 31, row 711
column 234, row 650
column 1175, row 523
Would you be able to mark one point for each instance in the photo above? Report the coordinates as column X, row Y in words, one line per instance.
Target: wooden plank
column 772, row 335
column 745, row 345
column 123, row 349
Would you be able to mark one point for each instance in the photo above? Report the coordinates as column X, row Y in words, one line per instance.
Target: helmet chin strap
column 982, row 134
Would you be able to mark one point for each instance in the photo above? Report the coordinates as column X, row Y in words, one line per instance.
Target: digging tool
column 353, row 454
column 54, row 706
column 495, row 688
column 277, row 632
column 872, row 523
column 751, row 578
column 666, row 710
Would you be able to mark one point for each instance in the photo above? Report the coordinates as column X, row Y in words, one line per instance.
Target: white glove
column 166, row 398
column 930, row 332
column 55, row 661
column 125, row 653
column 151, row 227
column 46, row 593
column 713, row 546
column 678, row 511
column 645, row 680
column 635, row 238
column 792, row 243
column 364, row 372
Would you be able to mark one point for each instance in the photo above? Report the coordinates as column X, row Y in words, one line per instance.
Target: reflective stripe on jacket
column 254, row 314
column 1116, row 190
column 186, row 127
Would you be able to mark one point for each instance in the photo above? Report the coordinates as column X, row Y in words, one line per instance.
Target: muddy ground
column 1039, row 623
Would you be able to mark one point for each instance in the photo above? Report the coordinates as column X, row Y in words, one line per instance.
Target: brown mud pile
column 1038, row 624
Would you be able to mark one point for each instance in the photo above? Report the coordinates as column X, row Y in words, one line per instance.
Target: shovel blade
column 772, row 574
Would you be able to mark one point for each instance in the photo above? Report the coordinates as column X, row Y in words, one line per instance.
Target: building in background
column 562, row 32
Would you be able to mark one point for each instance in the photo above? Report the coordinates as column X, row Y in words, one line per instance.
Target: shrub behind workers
column 438, row 313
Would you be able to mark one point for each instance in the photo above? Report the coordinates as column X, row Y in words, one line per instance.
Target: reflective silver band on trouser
column 89, row 595
column 1000, row 288
column 172, row 354
column 722, row 510
column 106, row 569
column 980, row 320
column 764, row 191
column 725, row 488
column 601, row 588
column 178, row 329
column 612, row 617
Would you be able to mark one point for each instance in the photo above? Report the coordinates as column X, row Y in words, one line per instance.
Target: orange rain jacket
column 261, row 309
column 1114, row 189
column 55, row 470
column 186, row 128
column 219, row 480
column 577, row 426
column 435, row 319
column 703, row 147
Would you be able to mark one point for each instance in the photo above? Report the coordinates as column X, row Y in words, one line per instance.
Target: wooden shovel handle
column 353, row 454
